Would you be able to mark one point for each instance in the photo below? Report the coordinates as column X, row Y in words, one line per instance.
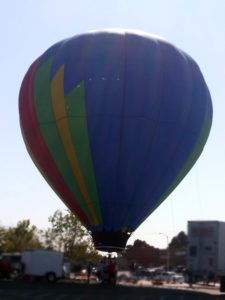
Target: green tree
column 16, row 239
column 2, row 238
column 68, row 235
column 179, row 241
column 141, row 253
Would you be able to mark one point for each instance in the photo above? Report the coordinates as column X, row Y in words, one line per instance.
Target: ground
column 66, row 290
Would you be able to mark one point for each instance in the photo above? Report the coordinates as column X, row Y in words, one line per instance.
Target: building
column 206, row 247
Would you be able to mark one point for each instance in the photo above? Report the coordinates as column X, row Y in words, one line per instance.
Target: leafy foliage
column 16, row 239
column 68, row 235
column 180, row 241
column 142, row 254
column 66, row 231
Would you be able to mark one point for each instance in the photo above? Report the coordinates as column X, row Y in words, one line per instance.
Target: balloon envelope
column 114, row 120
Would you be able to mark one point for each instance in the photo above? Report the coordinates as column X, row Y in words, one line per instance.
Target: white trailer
column 43, row 263
column 206, row 247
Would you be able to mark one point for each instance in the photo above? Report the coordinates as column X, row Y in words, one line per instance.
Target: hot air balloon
column 114, row 120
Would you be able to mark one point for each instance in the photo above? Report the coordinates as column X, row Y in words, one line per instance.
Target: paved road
column 22, row 290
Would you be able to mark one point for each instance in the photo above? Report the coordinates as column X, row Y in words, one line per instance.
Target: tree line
column 68, row 235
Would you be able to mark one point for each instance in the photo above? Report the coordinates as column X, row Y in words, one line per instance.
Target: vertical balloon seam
column 34, row 139
column 124, row 225
column 77, row 121
column 188, row 165
column 49, row 132
column 156, row 126
column 59, row 109
column 117, row 204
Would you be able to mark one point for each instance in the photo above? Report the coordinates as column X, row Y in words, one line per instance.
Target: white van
column 43, row 263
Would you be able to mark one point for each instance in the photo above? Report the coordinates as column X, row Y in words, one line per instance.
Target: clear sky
column 28, row 28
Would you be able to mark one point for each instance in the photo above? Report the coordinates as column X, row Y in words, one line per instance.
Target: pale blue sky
column 28, row 28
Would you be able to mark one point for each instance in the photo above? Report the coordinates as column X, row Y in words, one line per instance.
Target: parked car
column 10, row 265
column 127, row 276
column 179, row 278
column 169, row 277
column 143, row 274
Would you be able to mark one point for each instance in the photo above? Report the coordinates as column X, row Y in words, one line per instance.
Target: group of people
column 106, row 271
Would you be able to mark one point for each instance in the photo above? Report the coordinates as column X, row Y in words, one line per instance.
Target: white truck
column 206, row 249
column 43, row 263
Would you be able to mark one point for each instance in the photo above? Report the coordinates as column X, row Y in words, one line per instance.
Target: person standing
column 190, row 277
column 100, row 267
column 112, row 272
column 89, row 270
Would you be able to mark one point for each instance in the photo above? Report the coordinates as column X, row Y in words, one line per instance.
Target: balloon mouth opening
column 110, row 241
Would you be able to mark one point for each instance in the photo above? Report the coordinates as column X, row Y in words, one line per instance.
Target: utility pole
column 167, row 252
